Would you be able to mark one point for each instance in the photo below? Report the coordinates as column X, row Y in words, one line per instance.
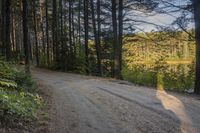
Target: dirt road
column 82, row 104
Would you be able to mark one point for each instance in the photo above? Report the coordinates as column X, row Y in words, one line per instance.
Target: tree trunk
column 62, row 51
column 97, row 46
column 61, row 23
column 42, row 29
column 117, row 71
column 3, row 28
column 99, row 32
column 35, row 31
column 196, row 4
column 86, row 35
column 120, row 19
column 54, row 30
column 7, row 25
column 13, row 30
column 47, row 33
column 73, row 31
column 69, row 65
column 25, row 34
column 79, row 26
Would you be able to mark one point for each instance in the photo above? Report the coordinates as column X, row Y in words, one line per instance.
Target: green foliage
column 160, row 82
column 7, row 70
column 16, row 101
column 11, row 77
column 23, row 80
column 146, row 48
column 43, row 60
column 80, row 63
column 140, row 76
column 160, row 59
column 179, row 79
column 16, row 105
column 7, row 83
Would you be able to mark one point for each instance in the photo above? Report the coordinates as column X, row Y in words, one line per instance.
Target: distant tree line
column 149, row 47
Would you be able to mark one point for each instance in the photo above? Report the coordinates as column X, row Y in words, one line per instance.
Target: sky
column 158, row 18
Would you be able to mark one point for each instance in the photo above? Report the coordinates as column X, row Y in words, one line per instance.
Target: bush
column 179, row 80
column 16, row 101
column 23, row 80
column 140, row 77
column 17, row 105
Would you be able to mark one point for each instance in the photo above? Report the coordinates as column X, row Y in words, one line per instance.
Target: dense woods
column 88, row 36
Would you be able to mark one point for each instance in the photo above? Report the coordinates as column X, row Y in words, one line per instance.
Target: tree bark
column 3, row 28
column 73, row 32
column 120, row 19
column 196, row 4
column 13, row 42
column 54, row 30
column 47, row 33
column 35, row 31
column 79, row 26
column 7, row 24
column 86, row 35
column 70, row 27
column 117, row 71
column 97, row 42
column 99, row 31
column 25, row 35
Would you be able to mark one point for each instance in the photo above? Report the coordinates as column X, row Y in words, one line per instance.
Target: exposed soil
column 83, row 104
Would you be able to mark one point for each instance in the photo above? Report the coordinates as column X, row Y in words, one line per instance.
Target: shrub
column 140, row 76
column 17, row 105
column 180, row 80
column 16, row 101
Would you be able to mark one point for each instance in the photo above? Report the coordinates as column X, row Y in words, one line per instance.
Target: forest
column 149, row 43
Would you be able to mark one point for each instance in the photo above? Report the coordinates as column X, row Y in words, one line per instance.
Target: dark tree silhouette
column 196, row 5
column 25, row 35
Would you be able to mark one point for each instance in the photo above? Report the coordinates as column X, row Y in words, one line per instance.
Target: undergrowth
column 18, row 101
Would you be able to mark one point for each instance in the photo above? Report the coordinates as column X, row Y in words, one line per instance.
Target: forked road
column 82, row 104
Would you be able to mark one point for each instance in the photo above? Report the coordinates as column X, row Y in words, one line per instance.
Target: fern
column 7, row 83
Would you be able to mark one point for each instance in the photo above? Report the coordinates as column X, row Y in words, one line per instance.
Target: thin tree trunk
column 86, row 35
column 47, row 32
column 54, row 30
column 99, row 30
column 7, row 38
column 61, row 36
column 13, row 31
column 3, row 28
column 43, row 39
column 120, row 19
column 30, row 47
column 70, row 27
column 42, row 29
column 79, row 26
column 73, row 36
column 61, row 23
column 35, row 31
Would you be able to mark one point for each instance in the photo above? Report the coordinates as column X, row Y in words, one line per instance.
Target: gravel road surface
column 85, row 104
